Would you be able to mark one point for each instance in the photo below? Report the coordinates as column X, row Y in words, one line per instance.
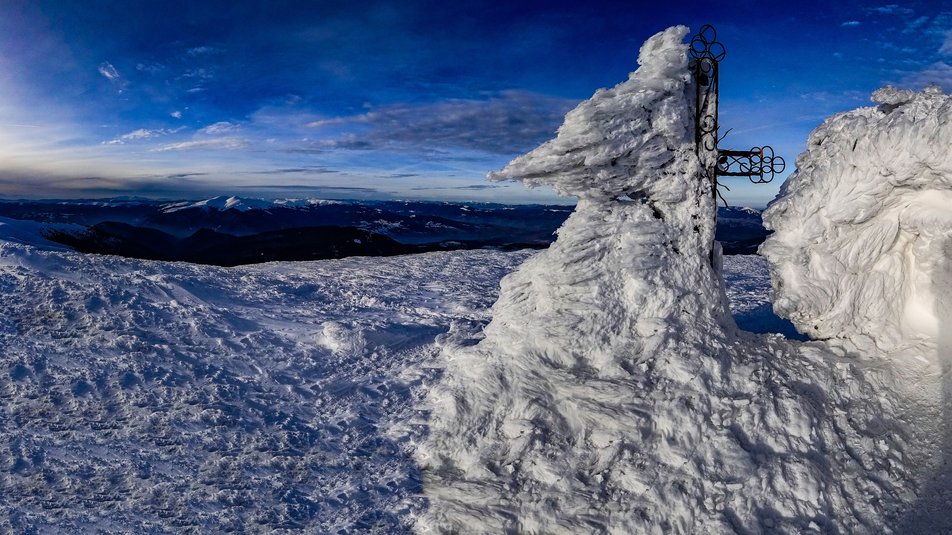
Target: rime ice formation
column 862, row 243
column 612, row 393
column 862, row 257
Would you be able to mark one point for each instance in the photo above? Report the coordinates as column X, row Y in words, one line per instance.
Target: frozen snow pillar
column 863, row 228
column 629, row 141
column 570, row 414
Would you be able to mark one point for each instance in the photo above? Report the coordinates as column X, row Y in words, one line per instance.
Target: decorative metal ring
column 704, row 45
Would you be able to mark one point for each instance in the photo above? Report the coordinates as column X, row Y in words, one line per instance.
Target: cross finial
column 759, row 164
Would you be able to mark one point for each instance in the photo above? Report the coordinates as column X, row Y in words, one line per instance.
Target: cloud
column 915, row 24
column 225, row 143
column 221, row 127
column 507, row 123
column 289, row 170
column 939, row 73
column 177, row 114
column 150, row 67
column 202, row 51
column 851, row 24
column 142, row 133
column 106, row 69
column 946, row 48
column 891, row 9
column 200, row 73
column 472, row 187
column 37, row 184
column 109, row 72
column 184, row 175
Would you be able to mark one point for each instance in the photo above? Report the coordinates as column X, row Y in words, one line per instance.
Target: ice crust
column 862, row 241
column 613, row 393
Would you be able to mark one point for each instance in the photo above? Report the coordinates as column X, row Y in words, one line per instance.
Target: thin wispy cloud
column 916, row 24
column 507, row 123
column 202, row 51
column 296, row 170
column 938, row 73
column 142, row 134
column 471, row 187
column 946, row 48
column 109, row 72
column 150, row 67
column 207, row 144
column 106, row 69
column 851, row 24
column 891, row 9
column 221, row 127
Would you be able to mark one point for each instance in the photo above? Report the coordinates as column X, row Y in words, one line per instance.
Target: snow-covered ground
column 149, row 396
column 141, row 396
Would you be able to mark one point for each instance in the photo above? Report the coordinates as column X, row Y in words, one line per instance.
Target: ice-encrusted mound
column 622, row 139
column 612, row 393
column 863, row 229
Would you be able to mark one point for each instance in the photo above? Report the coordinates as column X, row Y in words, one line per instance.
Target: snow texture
column 157, row 397
column 862, row 237
column 613, row 393
column 862, row 257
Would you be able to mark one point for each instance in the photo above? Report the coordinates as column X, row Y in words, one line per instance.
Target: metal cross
column 759, row 164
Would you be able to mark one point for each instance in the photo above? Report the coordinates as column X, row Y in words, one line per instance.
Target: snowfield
column 140, row 396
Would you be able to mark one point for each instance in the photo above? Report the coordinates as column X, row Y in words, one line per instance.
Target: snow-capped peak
column 244, row 204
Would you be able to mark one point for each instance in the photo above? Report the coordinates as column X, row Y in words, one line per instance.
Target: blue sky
column 410, row 99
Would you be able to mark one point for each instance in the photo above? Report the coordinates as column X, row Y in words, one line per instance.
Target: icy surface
column 862, row 257
column 151, row 397
column 613, row 393
column 863, row 226
column 140, row 396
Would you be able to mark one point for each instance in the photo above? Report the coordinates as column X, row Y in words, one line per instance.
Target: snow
column 33, row 233
column 860, row 258
column 865, row 220
column 612, row 391
column 140, row 396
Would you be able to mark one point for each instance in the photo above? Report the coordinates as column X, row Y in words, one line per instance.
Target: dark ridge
column 217, row 248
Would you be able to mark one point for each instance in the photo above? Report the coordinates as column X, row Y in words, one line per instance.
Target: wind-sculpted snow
column 862, row 257
column 863, row 228
column 612, row 392
column 150, row 397
column 623, row 139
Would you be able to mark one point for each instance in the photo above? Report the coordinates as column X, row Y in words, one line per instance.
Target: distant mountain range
column 233, row 230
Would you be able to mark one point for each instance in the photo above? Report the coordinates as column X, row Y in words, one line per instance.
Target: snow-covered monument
column 612, row 391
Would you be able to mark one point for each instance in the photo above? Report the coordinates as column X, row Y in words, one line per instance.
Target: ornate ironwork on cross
column 759, row 164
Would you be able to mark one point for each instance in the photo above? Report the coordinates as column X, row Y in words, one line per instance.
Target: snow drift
column 862, row 257
column 862, row 244
column 612, row 392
